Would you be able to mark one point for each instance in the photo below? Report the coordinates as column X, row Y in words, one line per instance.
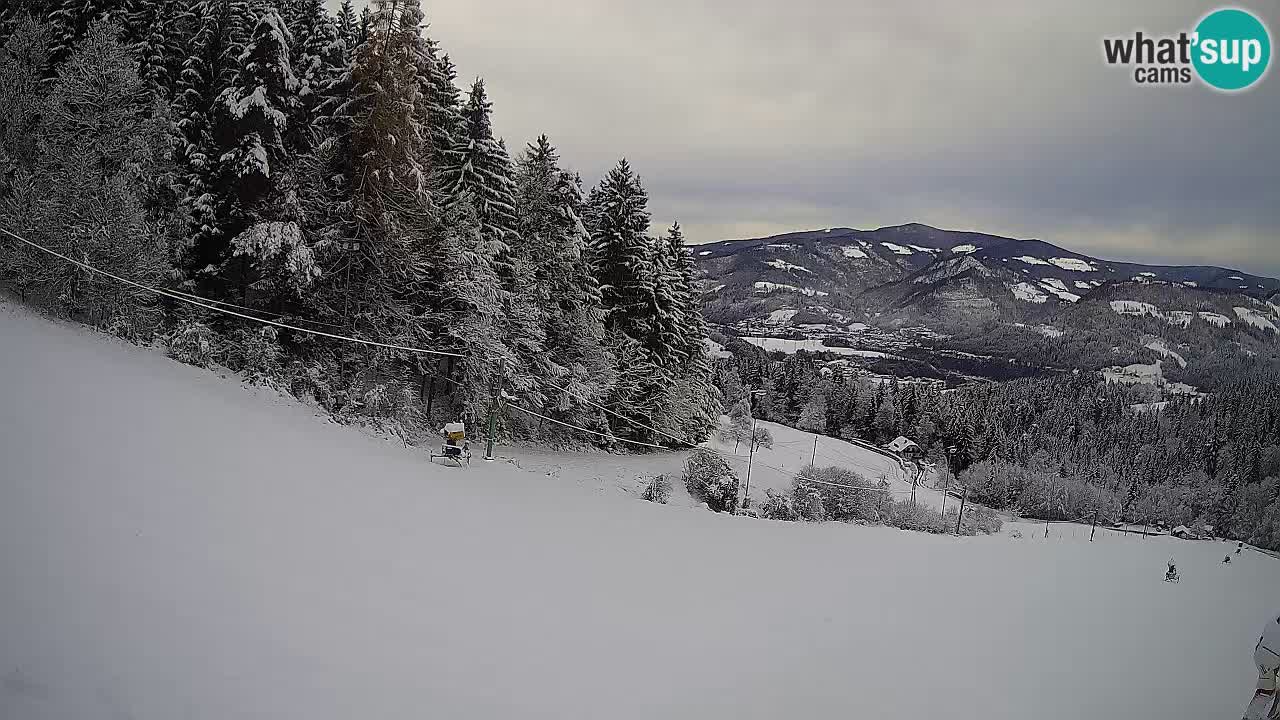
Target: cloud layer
column 748, row 117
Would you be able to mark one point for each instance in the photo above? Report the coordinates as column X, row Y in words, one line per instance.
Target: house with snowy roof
column 904, row 448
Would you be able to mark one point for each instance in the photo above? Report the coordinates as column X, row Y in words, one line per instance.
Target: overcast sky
column 753, row 117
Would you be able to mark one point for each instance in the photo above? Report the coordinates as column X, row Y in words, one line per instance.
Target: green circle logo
column 1232, row 49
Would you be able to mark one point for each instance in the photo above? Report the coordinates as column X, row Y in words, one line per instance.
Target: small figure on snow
column 1226, row 560
column 1266, row 655
column 1239, row 547
column 1171, row 575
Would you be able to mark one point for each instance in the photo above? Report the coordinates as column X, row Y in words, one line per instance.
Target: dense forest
column 266, row 158
column 1063, row 447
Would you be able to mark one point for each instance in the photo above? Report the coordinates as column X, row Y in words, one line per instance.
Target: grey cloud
column 756, row 116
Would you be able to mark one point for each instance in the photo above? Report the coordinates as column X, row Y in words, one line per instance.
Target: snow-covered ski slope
column 174, row 545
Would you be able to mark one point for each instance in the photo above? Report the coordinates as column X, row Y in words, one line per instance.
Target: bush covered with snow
column 911, row 516
column 193, row 343
column 254, row 352
column 979, row 520
column 844, row 495
column 778, row 506
column 658, row 490
column 709, row 479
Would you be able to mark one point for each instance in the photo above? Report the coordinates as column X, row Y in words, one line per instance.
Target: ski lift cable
column 513, row 406
column 182, row 298
column 267, row 313
column 805, row 479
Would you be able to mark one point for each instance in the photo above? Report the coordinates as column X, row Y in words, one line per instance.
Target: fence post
column 964, row 499
column 493, row 409
column 1095, row 524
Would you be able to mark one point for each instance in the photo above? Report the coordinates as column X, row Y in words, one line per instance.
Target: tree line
column 1061, row 447
column 327, row 172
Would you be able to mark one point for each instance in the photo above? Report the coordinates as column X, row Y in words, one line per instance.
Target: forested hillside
column 275, row 161
column 1069, row 447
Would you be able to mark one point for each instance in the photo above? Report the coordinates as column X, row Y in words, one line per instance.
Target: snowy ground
column 173, row 545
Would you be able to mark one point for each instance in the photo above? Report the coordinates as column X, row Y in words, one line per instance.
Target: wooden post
column 814, row 459
column 1095, row 524
column 963, row 500
column 431, row 394
column 946, row 488
column 493, row 410
column 751, row 454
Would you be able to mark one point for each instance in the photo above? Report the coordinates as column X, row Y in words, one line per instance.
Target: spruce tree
column 621, row 253
column 576, row 369
column 484, row 171
column 317, row 52
column 222, row 29
column 84, row 192
column 348, row 27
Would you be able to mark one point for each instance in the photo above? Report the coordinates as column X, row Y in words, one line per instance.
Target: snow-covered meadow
column 173, row 544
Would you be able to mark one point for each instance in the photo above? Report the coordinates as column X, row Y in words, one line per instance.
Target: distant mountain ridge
column 928, row 243
column 846, row 273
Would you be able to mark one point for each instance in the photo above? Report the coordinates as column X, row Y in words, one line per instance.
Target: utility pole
column 945, row 489
column 751, row 447
column 963, row 500
column 493, row 410
column 1096, row 513
column 913, row 489
column 751, row 454
column 1048, row 508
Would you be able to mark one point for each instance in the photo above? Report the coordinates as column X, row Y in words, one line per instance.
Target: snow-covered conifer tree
column 622, row 253
column 84, row 193
column 578, row 370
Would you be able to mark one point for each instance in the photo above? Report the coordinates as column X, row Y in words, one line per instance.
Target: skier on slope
column 1266, row 655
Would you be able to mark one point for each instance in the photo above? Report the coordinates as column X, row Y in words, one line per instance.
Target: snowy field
column 174, row 545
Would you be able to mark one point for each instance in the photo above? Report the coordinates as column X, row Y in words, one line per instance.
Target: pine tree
column 222, row 29
column 444, row 114
column 666, row 338
column 317, row 51
column 156, row 32
column 24, row 60
column 370, row 188
column 348, row 27
column 257, row 198
column 71, row 19
column 484, row 171
column 84, row 192
column 621, row 253
column 576, row 370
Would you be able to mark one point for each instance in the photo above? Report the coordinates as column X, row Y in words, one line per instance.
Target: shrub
column 255, row 352
column 903, row 514
column 980, row 520
column 192, row 343
column 709, row 479
column 841, row 494
column 658, row 490
column 311, row 380
column 778, row 507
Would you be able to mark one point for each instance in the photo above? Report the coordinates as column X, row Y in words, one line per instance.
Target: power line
column 804, row 479
column 213, row 306
column 182, row 298
column 267, row 313
column 513, row 406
